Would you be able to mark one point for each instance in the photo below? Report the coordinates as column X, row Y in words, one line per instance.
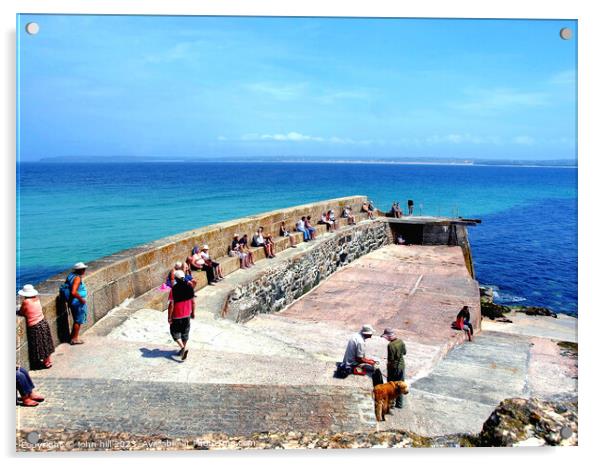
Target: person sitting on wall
column 355, row 360
column 217, row 269
column 198, row 263
column 301, row 227
column 324, row 221
column 463, row 322
column 259, row 240
column 348, row 215
column 366, row 210
column 309, row 227
column 398, row 211
column 333, row 219
column 170, row 280
column 284, row 232
column 235, row 250
column 244, row 244
column 25, row 388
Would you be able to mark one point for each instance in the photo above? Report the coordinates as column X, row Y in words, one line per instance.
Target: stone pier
column 265, row 342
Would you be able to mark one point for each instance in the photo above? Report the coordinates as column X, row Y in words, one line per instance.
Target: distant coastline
column 563, row 163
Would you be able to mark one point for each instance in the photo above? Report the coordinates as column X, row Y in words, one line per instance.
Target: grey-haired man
column 355, row 359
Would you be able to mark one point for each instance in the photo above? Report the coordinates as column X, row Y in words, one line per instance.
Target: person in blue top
column 77, row 302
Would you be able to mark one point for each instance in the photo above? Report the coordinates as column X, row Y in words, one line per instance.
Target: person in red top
column 39, row 339
column 180, row 311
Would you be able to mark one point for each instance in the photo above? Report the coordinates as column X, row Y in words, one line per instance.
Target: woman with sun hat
column 39, row 339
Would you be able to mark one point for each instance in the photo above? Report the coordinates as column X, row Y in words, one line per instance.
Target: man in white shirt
column 355, row 355
column 301, row 227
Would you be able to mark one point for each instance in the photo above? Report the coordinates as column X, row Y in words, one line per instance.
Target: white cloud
column 499, row 99
column 524, row 140
column 462, row 138
column 568, row 77
column 179, row 51
column 295, row 136
column 278, row 91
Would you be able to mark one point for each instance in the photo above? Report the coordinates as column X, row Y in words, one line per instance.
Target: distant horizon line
column 333, row 160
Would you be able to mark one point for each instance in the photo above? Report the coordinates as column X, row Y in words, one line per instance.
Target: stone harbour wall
column 281, row 284
column 137, row 271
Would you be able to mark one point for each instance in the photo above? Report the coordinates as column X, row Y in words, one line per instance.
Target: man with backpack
column 180, row 311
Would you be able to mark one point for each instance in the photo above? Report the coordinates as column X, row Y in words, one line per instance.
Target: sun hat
column 28, row 291
column 389, row 332
column 179, row 274
column 205, row 247
column 79, row 266
column 178, row 264
column 367, row 330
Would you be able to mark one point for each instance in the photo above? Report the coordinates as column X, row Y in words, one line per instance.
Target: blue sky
column 176, row 87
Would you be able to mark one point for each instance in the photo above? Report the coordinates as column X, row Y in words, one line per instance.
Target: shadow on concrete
column 157, row 353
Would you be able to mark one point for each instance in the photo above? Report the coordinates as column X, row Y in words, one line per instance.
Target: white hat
column 236, row 234
column 178, row 264
column 205, row 247
column 179, row 274
column 367, row 330
column 28, row 291
column 79, row 266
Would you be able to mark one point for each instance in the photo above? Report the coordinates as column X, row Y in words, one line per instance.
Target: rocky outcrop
column 535, row 311
column 520, row 422
column 496, row 311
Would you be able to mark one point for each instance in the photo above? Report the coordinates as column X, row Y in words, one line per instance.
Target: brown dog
column 385, row 395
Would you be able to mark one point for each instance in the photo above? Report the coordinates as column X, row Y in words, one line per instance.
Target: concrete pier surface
column 275, row 371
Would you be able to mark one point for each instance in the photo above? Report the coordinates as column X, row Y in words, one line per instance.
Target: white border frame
column 590, row 37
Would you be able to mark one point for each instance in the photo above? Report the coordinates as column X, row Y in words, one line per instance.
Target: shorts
column 79, row 311
column 180, row 328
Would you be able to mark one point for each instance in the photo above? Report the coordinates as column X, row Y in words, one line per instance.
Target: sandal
column 76, row 342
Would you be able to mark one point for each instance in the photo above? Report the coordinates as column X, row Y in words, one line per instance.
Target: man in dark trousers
column 395, row 363
column 180, row 311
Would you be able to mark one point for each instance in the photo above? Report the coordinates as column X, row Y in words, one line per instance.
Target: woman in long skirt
column 39, row 338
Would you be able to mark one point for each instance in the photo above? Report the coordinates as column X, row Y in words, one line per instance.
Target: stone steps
column 465, row 387
column 177, row 409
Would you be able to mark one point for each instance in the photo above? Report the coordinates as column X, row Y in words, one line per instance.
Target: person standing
column 77, row 300
column 396, row 349
column 180, row 311
column 410, row 206
column 39, row 339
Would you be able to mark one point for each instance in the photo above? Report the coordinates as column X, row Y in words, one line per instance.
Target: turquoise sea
column 526, row 245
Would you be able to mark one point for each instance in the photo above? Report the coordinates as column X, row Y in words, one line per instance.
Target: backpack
column 65, row 289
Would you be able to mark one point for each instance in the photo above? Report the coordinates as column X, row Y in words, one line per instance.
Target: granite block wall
column 134, row 272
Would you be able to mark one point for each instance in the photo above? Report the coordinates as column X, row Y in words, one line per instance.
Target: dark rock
column 536, row 311
column 494, row 311
column 486, row 294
